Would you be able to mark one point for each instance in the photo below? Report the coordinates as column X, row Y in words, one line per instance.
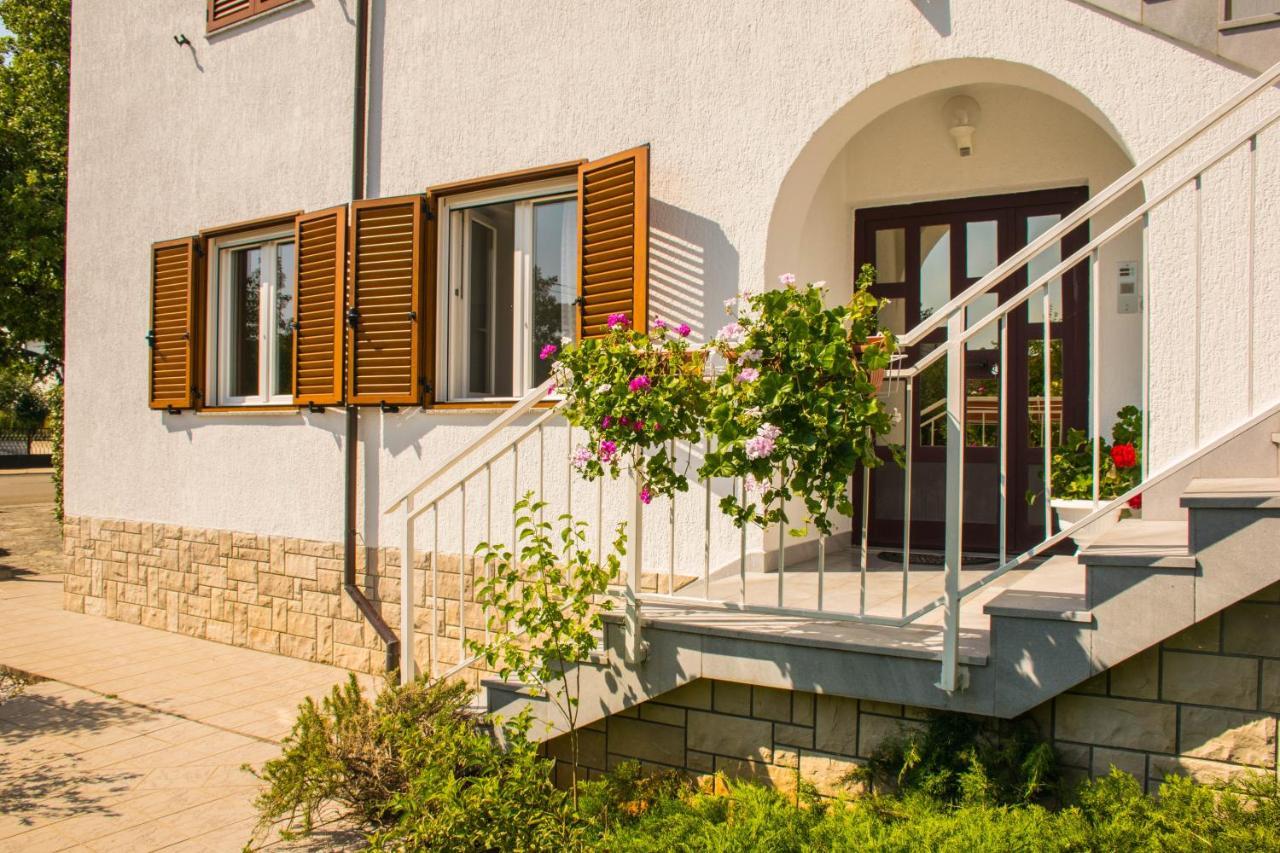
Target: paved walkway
column 136, row 739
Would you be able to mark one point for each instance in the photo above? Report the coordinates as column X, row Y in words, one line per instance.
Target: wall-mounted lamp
column 181, row 39
column 962, row 114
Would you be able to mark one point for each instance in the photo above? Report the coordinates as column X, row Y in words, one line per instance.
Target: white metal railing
column 695, row 558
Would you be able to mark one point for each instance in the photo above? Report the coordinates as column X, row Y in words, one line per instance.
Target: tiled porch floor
column 842, row 593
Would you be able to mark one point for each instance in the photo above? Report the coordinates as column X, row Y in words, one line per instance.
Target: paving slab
column 135, row 739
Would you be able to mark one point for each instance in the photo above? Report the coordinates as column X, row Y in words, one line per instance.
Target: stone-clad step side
column 1140, row 583
column 1204, row 702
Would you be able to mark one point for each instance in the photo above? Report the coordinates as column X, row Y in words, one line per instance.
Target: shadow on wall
column 693, row 269
column 937, row 13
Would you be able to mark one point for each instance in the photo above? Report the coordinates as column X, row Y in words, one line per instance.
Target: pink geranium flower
column 640, row 383
column 645, row 495
column 608, row 450
column 617, row 320
column 787, row 278
column 547, row 351
column 747, row 374
column 683, row 330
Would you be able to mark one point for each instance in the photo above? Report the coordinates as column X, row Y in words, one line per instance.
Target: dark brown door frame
column 1024, row 521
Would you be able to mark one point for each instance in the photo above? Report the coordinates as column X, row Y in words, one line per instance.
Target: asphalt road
column 17, row 488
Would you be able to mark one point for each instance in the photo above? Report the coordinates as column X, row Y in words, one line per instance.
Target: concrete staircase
column 1140, row 582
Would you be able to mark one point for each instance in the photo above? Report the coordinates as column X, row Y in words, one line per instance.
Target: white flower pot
column 1068, row 512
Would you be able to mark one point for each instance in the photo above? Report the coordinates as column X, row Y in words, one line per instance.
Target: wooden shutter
column 224, row 13
column 321, row 253
column 613, row 240
column 385, row 341
column 173, row 336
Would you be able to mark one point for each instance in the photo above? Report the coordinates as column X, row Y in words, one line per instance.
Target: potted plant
column 1119, row 471
column 633, row 392
column 795, row 412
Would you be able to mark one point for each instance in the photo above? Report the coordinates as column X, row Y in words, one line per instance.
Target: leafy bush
column 1119, row 462
column 633, row 391
column 957, row 758
column 796, row 413
column 57, row 459
column 415, row 769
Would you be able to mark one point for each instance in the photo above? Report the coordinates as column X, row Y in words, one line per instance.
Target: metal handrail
column 1085, row 212
column 518, row 408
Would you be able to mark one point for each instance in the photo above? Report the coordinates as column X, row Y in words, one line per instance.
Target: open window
column 251, row 317
column 508, row 263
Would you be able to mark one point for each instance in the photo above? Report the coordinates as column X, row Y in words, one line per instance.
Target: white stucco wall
column 746, row 105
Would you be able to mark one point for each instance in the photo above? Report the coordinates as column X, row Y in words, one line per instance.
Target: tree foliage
column 34, row 96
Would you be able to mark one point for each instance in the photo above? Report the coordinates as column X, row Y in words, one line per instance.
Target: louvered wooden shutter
column 224, row 13
column 613, row 240
column 173, row 335
column 385, row 343
column 321, row 240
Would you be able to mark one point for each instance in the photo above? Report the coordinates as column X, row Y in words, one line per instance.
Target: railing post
column 949, row 680
column 407, row 668
column 634, row 650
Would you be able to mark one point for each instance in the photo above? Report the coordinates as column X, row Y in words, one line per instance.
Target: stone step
column 1141, row 543
column 1233, row 493
column 1034, row 604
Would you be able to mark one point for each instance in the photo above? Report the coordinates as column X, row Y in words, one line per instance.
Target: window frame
column 450, row 244
column 217, row 371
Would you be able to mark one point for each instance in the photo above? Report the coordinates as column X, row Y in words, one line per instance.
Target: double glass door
column 924, row 255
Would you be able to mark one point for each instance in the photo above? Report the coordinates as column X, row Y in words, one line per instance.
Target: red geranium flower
column 1135, row 502
column 1124, row 456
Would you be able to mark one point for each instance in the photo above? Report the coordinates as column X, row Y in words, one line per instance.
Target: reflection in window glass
column 481, row 280
column 932, row 390
column 242, row 321
column 554, row 279
column 1041, row 264
column 979, row 248
column 893, row 316
column 282, row 381
column 891, row 255
column 1036, row 404
column 935, row 268
column 982, row 411
column 989, row 336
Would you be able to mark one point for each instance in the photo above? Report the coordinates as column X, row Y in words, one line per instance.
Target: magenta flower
column 547, row 351
column 657, row 427
column 645, row 495
column 683, row 330
column 625, row 421
column 639, row 426
column 640, row 383
column 605, row 422
column 608, row 450
column 617, row 320
column 551, row 389
column 659, row 323
column 747, row 374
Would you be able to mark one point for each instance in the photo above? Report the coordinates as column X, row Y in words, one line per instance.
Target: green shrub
column 57, row 458
column 957, row 758
column 415, row 769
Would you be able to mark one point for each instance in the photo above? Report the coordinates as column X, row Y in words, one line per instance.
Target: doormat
column 936, row 559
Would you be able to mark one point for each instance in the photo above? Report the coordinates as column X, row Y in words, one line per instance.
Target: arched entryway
column 898, row 192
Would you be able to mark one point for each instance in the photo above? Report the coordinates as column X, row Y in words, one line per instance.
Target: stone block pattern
column 1204, row 703
column 270, row 593
column 274, row 593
